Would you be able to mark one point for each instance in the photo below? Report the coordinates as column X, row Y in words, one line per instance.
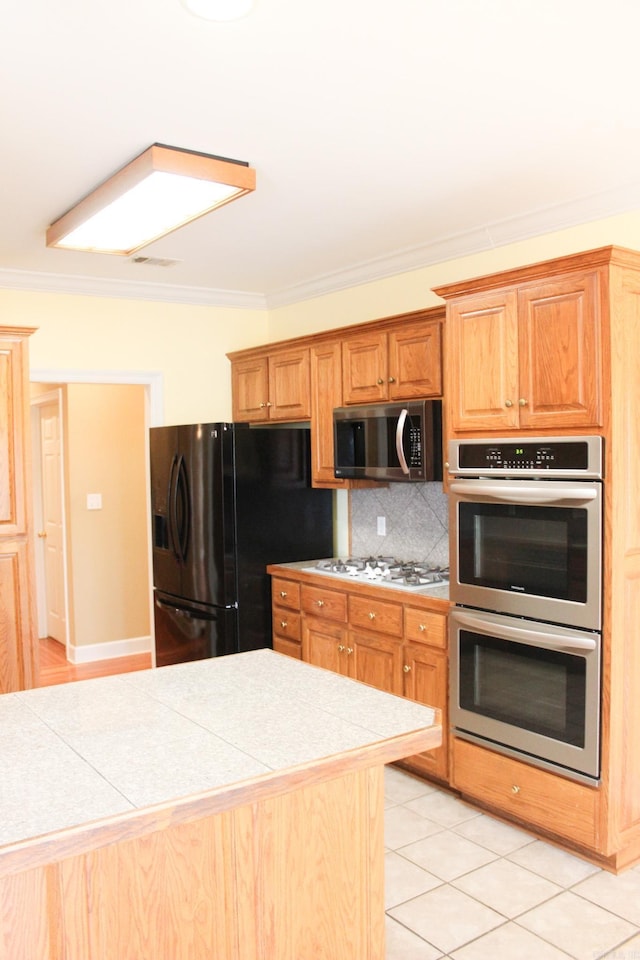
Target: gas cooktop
column 387, row 571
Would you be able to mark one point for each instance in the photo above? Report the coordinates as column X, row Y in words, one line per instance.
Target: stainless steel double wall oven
column 526, row 578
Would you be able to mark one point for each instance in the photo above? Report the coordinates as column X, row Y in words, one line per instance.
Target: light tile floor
column 462, row 885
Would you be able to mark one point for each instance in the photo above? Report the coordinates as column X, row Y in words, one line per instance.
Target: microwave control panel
column 415, row 447
column 538, row 457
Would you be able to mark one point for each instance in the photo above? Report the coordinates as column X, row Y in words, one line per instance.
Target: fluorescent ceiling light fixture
column 219, row 9
column 161, row 190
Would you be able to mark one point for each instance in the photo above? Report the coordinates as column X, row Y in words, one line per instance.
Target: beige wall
column 187, row 344
column 107, row 549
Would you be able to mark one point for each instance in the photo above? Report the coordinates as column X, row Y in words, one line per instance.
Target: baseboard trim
column 110, row 650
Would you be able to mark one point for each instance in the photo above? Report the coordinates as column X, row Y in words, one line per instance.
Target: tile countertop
column 308, row 567
column 96, row 749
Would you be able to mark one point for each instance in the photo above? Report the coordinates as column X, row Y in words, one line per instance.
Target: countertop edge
column 72, row 841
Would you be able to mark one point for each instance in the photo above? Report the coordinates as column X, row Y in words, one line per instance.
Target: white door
column 52, row 529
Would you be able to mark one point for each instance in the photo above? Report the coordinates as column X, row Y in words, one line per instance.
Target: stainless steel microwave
column 389, row 442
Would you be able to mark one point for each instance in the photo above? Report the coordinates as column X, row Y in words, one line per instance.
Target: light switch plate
column 382, row 526
column 94, row 501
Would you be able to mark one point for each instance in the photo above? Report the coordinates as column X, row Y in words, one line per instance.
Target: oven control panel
column 531, row 457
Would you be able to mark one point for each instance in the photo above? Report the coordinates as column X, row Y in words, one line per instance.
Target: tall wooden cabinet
column 549, row 349
column 18, row 647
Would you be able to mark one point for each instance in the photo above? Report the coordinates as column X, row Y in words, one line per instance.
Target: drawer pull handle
column 515, row 788
column 407, row 668
column 372, row 616
column 320, row 603
column 284, row 624
column 283, row 594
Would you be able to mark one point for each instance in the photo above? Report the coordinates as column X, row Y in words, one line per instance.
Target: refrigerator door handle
column 184, row 516
column 172, row 506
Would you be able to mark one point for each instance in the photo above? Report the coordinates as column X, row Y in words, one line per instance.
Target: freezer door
column 185, row 632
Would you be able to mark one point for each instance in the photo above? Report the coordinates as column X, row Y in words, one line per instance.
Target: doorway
column 84, row 601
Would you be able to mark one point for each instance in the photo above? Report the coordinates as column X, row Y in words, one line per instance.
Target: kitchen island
column 228, row 809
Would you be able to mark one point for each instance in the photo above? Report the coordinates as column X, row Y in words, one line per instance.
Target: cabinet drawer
column 286, row 623
column 286, row 593
column 533, row 796
column 290, row 648
column 376, row 615
column 327, row 604
column 422, row 626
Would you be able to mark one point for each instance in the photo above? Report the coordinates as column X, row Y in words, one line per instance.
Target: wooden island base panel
column 228, row 809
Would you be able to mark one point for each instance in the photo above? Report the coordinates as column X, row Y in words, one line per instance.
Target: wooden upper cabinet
column 275, row 386
column 559, row 345
column 482, row 361
column 526, row 357
column 13, row 491
column 326, row 393
column 401, row 364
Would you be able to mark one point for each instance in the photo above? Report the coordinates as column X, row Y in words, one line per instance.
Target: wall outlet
column 94, row 501
column 382, row 526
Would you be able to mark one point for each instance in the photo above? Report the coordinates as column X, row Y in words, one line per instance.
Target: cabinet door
column 289, row 385
column 482, row 359
column 13, row 507
column 375, row 660
column 364, row 368
column 250, row 389
column 425, row 680
column 17, row 635
column 560, row 354
column 326, row 393
column 324, row 644
column 415, row 361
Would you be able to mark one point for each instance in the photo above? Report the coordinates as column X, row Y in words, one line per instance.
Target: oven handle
column 525, row 493
column 548, row 639
column 399, row 448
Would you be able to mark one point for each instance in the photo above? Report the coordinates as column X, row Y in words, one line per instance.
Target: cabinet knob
column 340, row 648
column 421, row 627
column 283, row 594
column 523, row 402
column 372, row 615
column 349, row 650
column 42, row 534
column 407, row 668
column 379, row 381
column 262, row 405
column 515, row 788
column 268, row 403
column 508, row 403
column 284, row 624
column 392, row 379
column 320, row 603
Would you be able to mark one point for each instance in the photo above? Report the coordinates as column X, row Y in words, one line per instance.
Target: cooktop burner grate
column 389, row 570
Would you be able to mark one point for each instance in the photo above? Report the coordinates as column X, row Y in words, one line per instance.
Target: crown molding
column 128, row 290
column 495, row 234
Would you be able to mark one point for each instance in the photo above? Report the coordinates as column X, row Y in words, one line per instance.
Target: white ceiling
column 385, row 135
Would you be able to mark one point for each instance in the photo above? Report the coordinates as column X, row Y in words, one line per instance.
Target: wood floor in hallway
column 55, row 668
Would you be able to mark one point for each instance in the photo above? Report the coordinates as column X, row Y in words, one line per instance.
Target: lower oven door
column 528, row 689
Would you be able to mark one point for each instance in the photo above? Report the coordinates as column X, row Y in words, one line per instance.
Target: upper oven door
column 531, row 548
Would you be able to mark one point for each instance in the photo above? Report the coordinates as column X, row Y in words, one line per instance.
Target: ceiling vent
column 156, row 261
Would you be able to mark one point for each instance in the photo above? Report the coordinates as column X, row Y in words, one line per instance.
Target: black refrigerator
column 226, row 500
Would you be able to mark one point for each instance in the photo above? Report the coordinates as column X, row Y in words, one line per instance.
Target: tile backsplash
column 416, row 516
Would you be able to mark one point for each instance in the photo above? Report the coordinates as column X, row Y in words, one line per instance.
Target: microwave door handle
column 548, row 639
column 526, row 493
column 399, row 434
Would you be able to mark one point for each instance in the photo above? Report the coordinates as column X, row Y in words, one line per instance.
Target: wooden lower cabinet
column 425, row 673
column 325, row 644
column 17, row 642
column 553, row 804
